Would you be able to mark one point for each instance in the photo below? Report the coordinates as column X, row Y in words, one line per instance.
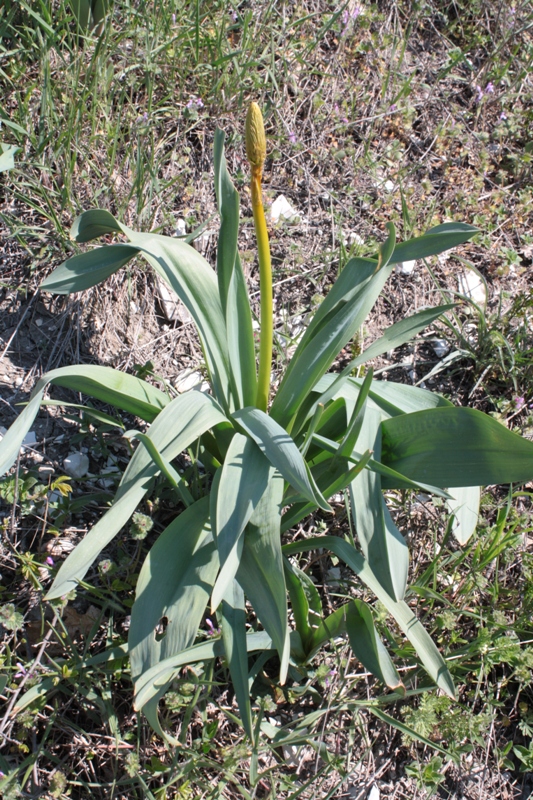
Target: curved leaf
column 123, row 391
column 436, row 240
column 281, row 451
column 381, row 542
column 177, row 427
column 243, row 481
column 160, row 674
column 368, row 647
column 430, row 657
column 452, row 447
column 261, row 571
column 174, row 584
column 84, row 270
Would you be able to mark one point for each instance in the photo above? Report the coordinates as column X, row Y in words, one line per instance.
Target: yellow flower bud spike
column 256, row 152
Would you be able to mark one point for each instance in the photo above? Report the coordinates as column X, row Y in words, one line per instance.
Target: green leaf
column 281, row 451
column 174, row 585
column 232, row 284
column 7, row 156
column 233, row 618
column 336, row 321
column 165, row 671
column 436, row 240
column 407, row 730
column 430, row 657
column 368, row 647
column 116, row 388
column 331, row 476
column 195, row 283
column 391, row 398
column 93, row 224
column 305, row 602
column 452, row 447
column 387, row 248
column 381, row 542
column 175, row 429
column 84, row 270
column 244, row 479
column 261, row 571
column 464, row 505
column 191, row 278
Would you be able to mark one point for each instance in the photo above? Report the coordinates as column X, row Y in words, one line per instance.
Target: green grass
column 114, row 121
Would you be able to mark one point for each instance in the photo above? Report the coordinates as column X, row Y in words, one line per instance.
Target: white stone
column 282, row 211
column 374, row 793
column 405, row 267
column 290, row 755
column 349, row 238
column 77, row 465
column 440, row 347
column 181, row 227
column 190, row 379
column 472, row 286
column 388, row 186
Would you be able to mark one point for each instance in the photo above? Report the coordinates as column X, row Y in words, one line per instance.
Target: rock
column 440, row 347
column 172, row 307
column 76, row 465
column 282, row 211
column 181, row 227
column 405, row 267
column 190, row 379
column 471, row 285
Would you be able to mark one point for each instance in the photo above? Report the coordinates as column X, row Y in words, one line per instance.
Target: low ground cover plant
column 270, row 455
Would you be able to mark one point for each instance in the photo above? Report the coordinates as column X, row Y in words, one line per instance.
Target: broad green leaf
column 391, row 398
column 368, row 647
column 244, row 479
column 232, row 284
column 233, row 619
column 176, row 428
column 387, row 248
column 84, row 270
column 305, row 603
column 436, row 240
column 174, row 585
column 123, row 391
column 331, row 476
column 317, row 350
column 190, row 277
column 164, row 466
column 330, row 628
column 261, row 571
column 347, row 446
column 160, row 674
column 394, row 480
column 93, row 224
column 381, row 542
column 464, row 505
column 430, row 657
column 455, row 447
column 195, row 283
column 281, row 451
column 7, row 156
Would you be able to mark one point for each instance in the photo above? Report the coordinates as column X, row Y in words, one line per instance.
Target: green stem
column 265, row 279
